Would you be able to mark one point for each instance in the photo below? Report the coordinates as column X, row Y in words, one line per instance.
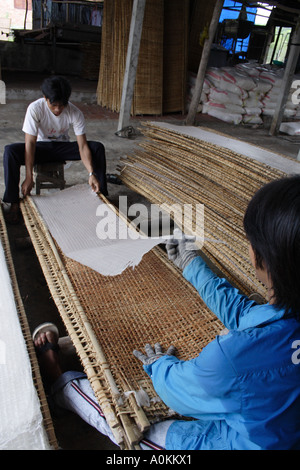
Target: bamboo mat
column 37, row 380
column 160, row 84
column 172, row 168
column 176, row 27
column 107, row 317
column 115, row 34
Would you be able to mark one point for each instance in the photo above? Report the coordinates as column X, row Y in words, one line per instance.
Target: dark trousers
column 46, row 152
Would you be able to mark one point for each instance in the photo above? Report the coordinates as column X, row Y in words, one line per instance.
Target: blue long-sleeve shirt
column 244, row 388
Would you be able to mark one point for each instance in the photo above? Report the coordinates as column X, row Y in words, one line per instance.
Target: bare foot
column 46, row 345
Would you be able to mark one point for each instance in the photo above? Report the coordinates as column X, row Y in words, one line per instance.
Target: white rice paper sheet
column 88, row 231
column 21, row 421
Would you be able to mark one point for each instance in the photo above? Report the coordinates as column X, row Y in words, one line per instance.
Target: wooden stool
column 48, row 176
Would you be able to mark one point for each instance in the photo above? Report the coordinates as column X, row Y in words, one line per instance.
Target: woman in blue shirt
column 244, row 387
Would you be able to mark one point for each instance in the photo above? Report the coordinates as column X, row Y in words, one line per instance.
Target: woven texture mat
column 33, row 436
column 160, row 84
column 175, row 169
column 108, row 317
column 114, row 44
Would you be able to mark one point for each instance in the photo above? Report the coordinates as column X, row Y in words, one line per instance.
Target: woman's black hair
column 57, row 89
column 272, row 226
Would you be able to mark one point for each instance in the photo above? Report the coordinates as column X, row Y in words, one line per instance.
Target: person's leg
column 75, row 393
column 99, row 164
column 72, row 391
column 13, row 158
column 69, row 151
column 155, row 437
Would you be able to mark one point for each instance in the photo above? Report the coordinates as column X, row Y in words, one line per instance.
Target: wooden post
column 135, row 34
column 287, row 80
column 26, row 12
column 203, row 63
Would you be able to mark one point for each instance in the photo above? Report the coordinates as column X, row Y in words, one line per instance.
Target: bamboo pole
column 287, row 79
column 135, row 35
column 203, row 63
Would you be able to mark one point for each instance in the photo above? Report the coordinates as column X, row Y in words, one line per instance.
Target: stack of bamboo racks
column 173, row 169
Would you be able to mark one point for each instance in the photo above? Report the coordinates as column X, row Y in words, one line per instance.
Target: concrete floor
column 102, row 124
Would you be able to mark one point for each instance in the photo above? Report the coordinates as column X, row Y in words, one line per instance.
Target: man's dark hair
column 57, row 89
column 272, row 226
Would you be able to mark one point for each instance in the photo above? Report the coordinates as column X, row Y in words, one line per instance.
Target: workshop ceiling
column 288, row 5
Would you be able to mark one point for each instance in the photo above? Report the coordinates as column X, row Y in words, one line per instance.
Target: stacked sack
column 254, row 102
column 191, row 87
column 242, row 94
column 271, row 98
column 229, row 90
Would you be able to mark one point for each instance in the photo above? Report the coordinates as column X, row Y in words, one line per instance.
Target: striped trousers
column 72, row 391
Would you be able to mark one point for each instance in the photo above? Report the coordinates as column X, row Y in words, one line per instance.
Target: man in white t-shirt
column 46, row 127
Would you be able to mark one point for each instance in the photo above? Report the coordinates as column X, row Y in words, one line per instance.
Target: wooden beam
column 133, row 50
column 203, row 63
column 287, row 80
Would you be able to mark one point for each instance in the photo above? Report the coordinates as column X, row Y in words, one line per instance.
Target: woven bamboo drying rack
column 171, row 168
column 107, row 317
column 36, row 376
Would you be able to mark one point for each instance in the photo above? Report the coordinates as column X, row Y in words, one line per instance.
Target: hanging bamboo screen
column 175, row 55
column 161, row 74
column 148, row 92
column 112, row 62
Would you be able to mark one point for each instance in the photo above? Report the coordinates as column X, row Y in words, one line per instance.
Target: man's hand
column 94, row 183
column 27, row 186
column 153, row 355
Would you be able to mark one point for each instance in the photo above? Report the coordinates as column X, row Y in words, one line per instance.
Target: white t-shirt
column 42, row 123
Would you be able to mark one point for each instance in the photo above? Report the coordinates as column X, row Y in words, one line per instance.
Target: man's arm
column 86, row 158
column 30, row 144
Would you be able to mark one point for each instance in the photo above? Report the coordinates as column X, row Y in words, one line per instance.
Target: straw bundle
column 172, row 168
column 108, row 317
column 36, row 377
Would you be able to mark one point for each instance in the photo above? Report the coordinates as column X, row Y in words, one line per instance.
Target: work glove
column 153, row 355
column 181, row 249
